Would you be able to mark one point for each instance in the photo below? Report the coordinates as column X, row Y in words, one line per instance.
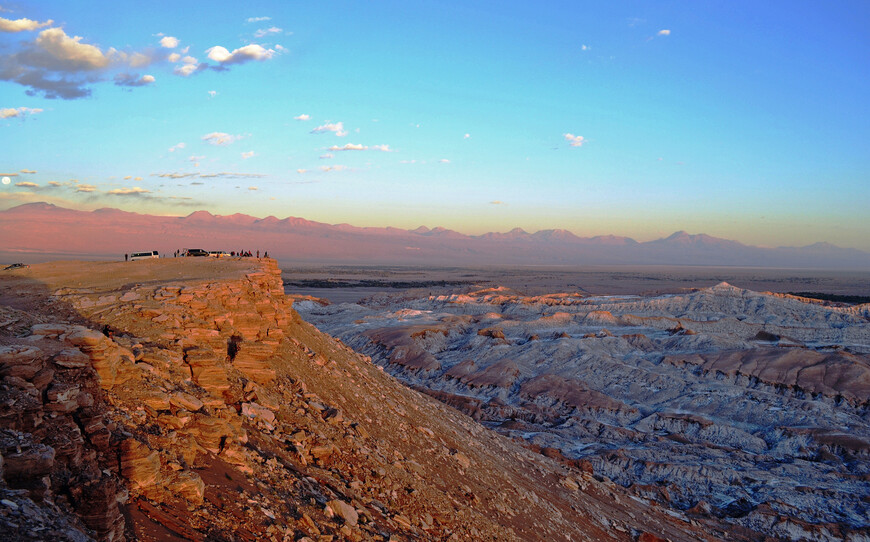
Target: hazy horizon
column 737, row 120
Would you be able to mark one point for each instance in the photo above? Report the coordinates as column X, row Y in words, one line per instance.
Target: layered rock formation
column 178, row 399
column 722, row 402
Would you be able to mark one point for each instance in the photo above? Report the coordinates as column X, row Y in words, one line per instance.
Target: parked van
column 218, row 254
column 143, row 255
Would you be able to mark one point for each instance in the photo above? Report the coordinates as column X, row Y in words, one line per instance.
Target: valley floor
column 695, row 393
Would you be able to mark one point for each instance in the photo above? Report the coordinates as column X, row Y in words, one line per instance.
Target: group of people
column 248, row 254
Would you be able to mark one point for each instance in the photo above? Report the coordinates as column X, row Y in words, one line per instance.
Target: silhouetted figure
column 258, row 254
column 126, row 257
column 266, row 255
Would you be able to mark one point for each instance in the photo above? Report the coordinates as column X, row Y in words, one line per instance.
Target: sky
column 743, row 120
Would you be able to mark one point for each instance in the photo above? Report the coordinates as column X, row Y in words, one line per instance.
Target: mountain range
column 41, row 231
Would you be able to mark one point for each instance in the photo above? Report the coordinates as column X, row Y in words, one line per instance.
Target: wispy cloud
column 266, row 31
column 664, row 32
column 28, row 171
column 135, row 191
column 497, row 202
column 258, row 19
column 466, row 136
column 178, row 146
column 86, row 188
column 444, row 161
column 335, row 127
column 220, row 138
column 12, row 112
column 303, row 116
column 253, row 188
column 332, row 168
column 212, row 93
column 575, row 140
column 131, row 80
column 26, row 184
column 248, row 154
column 225, row 175
column 348, row 147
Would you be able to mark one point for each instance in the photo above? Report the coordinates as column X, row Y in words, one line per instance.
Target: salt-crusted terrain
column 751, row 407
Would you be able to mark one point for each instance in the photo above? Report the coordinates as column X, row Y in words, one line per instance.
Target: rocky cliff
column 186, row 400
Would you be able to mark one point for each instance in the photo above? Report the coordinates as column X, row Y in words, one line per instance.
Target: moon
column 6, row 180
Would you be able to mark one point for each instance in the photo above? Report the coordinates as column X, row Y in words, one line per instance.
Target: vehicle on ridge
column 144, row 255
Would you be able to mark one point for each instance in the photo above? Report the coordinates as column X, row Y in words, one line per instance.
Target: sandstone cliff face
column 152, row 405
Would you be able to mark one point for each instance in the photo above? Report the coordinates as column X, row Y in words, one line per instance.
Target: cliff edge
column 184, row 399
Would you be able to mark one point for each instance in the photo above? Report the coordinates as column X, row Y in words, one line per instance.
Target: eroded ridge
column 747, row 406
column 187, row 400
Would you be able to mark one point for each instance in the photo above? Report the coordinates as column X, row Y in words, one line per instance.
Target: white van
column 143, row 255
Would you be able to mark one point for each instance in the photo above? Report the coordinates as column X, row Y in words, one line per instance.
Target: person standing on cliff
column 126, row 257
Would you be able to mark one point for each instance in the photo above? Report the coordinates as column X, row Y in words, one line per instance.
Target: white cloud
column 300, row 170
column 242, row 54
column 266, row 31
column 258, row 19
column 348, row 147
column 575, row 140
column 336, row 127
column 303, row 116
column 212, row 93
column 20, row 25
column 466, row 136
column 28, row 171
column 220, row 138
column 55, row 183
column 664, row 32
column 585, row 47
column 444, row 161
column 69, row 53
column 86, row 188
column 169, row 42
column 27, row 184
column 11, row 112
column 61, row 66
column 248, row 154
column 253, row 188
column 173, row 57
column 177, row 147
column 382, row 148
column 333, row 168
column 135, row 191
column 189, row 65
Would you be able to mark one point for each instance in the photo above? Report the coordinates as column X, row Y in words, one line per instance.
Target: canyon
column 185, row 399
column 751, row 407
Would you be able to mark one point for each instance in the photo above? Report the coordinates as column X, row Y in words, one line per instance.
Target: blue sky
column 743, row 120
